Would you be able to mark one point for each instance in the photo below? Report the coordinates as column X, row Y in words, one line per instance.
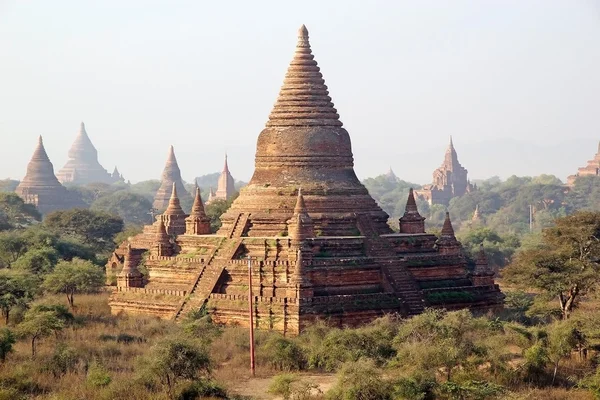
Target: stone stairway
column 397, row 274
column 239, row 226
column 207, row 280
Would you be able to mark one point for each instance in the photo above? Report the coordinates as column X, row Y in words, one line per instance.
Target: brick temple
column 320, row 245
column 591, row 169
column 41, row 188
column 83, row 166
column 449, row 180
column 225, row 186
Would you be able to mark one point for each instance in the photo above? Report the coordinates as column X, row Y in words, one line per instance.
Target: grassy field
column 100, row 357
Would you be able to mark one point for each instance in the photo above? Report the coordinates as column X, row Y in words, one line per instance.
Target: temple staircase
column 207, row 279
column 239, row 226
column 397, row 274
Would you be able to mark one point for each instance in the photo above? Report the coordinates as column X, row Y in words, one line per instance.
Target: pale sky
column 515, row 82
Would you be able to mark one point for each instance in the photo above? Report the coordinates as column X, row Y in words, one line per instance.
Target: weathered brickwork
column 320, row 245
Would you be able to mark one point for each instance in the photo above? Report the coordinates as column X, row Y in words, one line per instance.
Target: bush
column 7, row 340
column 290, row 387
column 97, row 375
column 360, row 380
column 344, row 345
column 201, row 389
column 283, row 354
column 63, row 360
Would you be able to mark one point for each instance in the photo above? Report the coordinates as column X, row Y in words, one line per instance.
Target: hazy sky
column 517, row 83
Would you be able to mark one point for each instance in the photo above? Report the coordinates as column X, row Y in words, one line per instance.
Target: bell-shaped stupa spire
column 171, row 175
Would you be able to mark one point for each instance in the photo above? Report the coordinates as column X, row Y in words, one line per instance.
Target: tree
column 76, row 276
column 12, row 246
column 568, row 264
column 39, row 323
column 96, row 228
column 442, row 340
column 132, row 207
column 214, row 210
column 17, row 288
column 16, row 212
column 7, row 340
column 37, row 260
column 176, row 359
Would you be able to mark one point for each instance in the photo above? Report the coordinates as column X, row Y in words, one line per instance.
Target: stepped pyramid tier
column 40, row 186
column 320, row 247
column 304, row 144
column 83, row 166
column 591, row 169
column 449, row 181
column 171, row 175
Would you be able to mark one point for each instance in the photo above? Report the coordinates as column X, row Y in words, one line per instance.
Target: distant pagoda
column 171, row 175
column 225, row 185
column 83, row 166
column 591, row 169
column 40, row 186
column 449, row 181
column 320, row 246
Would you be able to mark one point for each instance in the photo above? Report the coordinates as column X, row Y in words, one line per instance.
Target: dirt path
column 257, row 387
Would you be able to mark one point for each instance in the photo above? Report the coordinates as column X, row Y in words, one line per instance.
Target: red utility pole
column 252, row 364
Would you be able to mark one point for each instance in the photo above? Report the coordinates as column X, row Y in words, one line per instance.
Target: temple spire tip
column 303, row 32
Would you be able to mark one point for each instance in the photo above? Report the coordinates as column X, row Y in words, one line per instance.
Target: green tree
column 567, row 266
column 96, row 228
column 76, row 276
column 7, row 340
column 37, row 260
column 133, row 208
column 17, row 288
column 360, row 380
column 15, row 212
column 174, row 360
column 12, row 246
column 214, row 210
column 37, row 324
column 438, row 340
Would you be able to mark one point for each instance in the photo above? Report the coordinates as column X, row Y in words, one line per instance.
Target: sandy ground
column 257, row 387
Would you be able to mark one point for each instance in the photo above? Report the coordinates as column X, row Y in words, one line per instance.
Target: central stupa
column 304, row 145
column 320, row 247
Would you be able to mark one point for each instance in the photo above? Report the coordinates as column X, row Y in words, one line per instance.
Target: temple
column 225, row 186
column 449, row 181
column 318, row 245
column 83, row 166
column 40, row 186
column 591, row 169
column 171, row 175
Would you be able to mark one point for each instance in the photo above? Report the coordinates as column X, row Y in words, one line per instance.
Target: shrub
column 7, row 340
column 291, row 387
column 201, row 389
column 283, row 354
column 97, row 375
column 63, row 360
column 360, row 380
column 344, row 345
